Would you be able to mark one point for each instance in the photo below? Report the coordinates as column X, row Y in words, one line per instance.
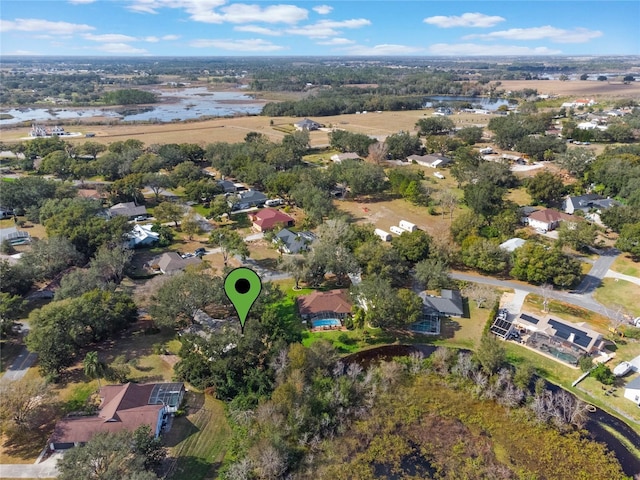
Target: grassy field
column 625, row 265
column 199, row 440
column 614, row 293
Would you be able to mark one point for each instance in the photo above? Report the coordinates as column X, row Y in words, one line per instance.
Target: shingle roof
column 448, row 303
column 549, row 215
column 268, row 218
column 123, row 407
column 128, row 209
column 172, row 262
column 634, row 384
column 332, row 301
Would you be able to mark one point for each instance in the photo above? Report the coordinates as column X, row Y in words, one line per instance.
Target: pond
column 629, row 462
column 178, row 104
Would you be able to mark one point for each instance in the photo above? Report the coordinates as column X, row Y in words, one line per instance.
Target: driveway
column 598, row 271
column 21, row 364
column 46, row 469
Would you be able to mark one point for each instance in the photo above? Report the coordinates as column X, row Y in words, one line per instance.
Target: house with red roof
column 123, row 407
column 330, row 304
column 269, row 218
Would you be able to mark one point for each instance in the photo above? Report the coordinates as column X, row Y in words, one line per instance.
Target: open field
column 592, row 89
column 614, row 293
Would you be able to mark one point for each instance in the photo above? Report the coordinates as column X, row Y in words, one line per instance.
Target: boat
column 622, row 369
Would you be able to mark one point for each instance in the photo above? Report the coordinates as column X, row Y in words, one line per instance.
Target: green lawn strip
column 199, row 440
column 201, row 209
column 614, row 293
column 623, row 264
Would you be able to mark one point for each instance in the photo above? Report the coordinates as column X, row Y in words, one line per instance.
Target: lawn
column 623, row 264
column 614, row 293
column 199, row 441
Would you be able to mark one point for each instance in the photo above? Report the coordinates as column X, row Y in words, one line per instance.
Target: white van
column 407, row 226
column 385, row 236
column 439, row 175
column 397, row 230
column 274, row 202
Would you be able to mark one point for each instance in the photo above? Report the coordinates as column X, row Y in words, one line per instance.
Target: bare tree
column 545, row 293
column 464, row 366
column 272, row 463
column 378, row 152
column 481, row 294
column 448, row 201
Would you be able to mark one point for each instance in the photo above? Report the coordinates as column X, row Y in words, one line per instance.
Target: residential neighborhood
column 486, row 258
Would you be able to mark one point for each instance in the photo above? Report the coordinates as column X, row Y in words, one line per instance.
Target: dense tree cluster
column 129, row 96
column 60, row 329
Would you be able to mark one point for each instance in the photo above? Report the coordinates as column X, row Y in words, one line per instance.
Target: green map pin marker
column 242, row 287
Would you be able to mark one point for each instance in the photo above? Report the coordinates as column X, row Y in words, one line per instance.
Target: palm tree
column 93, row 367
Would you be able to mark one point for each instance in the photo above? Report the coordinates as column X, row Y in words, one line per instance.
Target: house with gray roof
column 172, row 262
column 248, row 199
column 127, row 209
column 307, row 125
column 293, row 242
column 588, row 202
column 632, row 390
column 448, row 304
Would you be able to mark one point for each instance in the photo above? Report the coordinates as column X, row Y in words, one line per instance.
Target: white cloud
column 79, row 2
column 323, row 9
column 110, row 38
column 151, row 39
column 215, row 11
column 249, row 45
column 121, row 49
column 558, row 35
column 490, row 50
column 382, row 49
column 464, row 20
column 243, row 13
column 328, row 28
column 22, row 52
column 258, row 30
column 43, row 26
column 170, row 37
column 336, row 41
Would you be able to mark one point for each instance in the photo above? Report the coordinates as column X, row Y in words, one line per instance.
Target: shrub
column 603, row 374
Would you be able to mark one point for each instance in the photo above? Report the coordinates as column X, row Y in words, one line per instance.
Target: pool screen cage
column 166, row 394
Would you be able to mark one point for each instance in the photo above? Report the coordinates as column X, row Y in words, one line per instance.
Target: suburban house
column 142, row 236
column 632, row 390
column 293, row 242
column 431, row 160
column 248, row 199
column 307, row 125
column 548, row 219
column 574, row 336
column 227, row 186
column 128, row 209
column 333, row 304
column 14, row 236
column 269, row 218
column 339, row 157
column 122, row 407
column 448, row 304
column 586, row 203
column 172, row 262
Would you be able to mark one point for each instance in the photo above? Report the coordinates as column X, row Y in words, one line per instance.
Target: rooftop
column 331, row 301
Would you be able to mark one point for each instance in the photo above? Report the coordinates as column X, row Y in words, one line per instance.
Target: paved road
column 621, row 276
column 576, row 299
column 21, row 364
column 598, row 271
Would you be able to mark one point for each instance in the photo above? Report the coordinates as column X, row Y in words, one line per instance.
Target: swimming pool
column 326, row 322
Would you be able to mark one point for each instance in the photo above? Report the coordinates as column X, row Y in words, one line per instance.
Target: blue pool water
column 326, row 322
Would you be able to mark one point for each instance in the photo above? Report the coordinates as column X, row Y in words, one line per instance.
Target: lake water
column 485, row 102
column 179, row 104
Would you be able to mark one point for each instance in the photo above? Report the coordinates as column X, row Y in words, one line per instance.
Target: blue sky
column 310, row 28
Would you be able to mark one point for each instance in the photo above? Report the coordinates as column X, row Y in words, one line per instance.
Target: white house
column 548, row 219
column 632, row 390
column 339, row 157
column 142, row 236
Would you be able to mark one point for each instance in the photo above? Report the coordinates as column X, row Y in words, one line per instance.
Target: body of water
column 179, row 104
column 483, row 102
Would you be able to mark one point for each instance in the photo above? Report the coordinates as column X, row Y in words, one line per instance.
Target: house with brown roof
column 331, row 304
column 548, row 219
column 123, row 407
column 269, row 218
